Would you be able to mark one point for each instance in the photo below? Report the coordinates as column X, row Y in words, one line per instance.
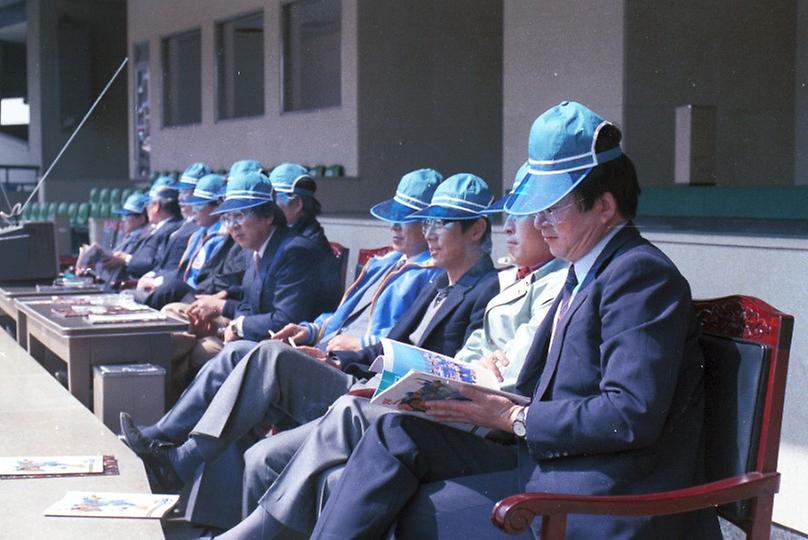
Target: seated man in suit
column 615, row 373
column 295, row 191
column 280, row 384
column 135, row 227
column 171, row 257
column 370, row 308
column 164, row 219
column 206, row 247
column 312, row 455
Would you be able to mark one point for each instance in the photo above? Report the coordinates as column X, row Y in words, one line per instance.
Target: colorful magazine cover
column 50, row 465
column 411, row 377
column 112, row 505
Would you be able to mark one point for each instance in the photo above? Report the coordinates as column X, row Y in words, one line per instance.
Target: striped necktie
column 566, row 294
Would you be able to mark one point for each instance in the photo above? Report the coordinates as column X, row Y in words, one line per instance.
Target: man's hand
column 493, row 361
column 314, row 352
column 116, row 260
column 206, row 307
column 229, row 334
column 343, row 343
column 298, row 333
column 145, row 284
column 482, row 409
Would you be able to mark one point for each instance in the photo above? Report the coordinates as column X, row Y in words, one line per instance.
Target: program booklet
column 90, row 255
column 112, row 505
column 51, row 465
column 411, row 376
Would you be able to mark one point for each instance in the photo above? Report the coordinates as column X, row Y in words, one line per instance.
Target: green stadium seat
column 61, row 209
column 115, row 197
column 73, row 212
column 334, row 170
column 33, row 210
column 26, row 213
column 94, row 193
column 82, row 215
column 124, row 195
column 106, row 210
column 317, row 170
column 52, row 208
column 103, row 195
column 95, row 210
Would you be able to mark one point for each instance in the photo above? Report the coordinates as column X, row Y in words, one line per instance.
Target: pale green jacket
column 512, row 317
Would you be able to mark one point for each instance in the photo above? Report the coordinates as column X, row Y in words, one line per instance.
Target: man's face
column 185, row 209
column 524, row 242
column 153, row 211
column 574, row 233
column 202, row 214
column 247, row 229
column 408, row 238
column 290, row 205
column 447, row 242
column 132, row 222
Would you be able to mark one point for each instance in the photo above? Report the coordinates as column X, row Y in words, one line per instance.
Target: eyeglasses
column 555, row 215
column 437, row 224
column 231, row 219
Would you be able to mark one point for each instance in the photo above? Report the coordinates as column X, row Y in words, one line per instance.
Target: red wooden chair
column 746, row 345
column 366, row 254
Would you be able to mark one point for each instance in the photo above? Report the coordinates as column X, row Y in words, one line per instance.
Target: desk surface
column 40, row 309
column 17, row 291
column 39, row 417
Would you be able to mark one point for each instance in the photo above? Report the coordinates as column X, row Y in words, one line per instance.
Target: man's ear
column 478, row 229
column 607, row 207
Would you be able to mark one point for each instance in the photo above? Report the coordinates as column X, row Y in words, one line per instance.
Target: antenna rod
column 75, row 132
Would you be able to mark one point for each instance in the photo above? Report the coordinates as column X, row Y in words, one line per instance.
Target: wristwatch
column 519, row 428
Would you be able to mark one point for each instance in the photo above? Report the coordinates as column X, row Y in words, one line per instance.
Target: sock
column 185, row 459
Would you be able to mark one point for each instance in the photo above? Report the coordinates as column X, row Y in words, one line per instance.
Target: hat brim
column 126, row 212
column 442, row 212
column 183, row 185
column 496, row 207
column 392, row 211
column 234, row 205
column 539, row 192
column 197, row 201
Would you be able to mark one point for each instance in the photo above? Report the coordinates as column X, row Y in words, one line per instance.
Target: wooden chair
column 366, row 254
column 746, row 344
column 341, row 253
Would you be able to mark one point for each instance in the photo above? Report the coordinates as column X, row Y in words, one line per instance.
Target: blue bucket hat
column 210, row 188
column 243, row 167
column 292, row 178
column 163, row 188
column 461, row 196
column 135, row 204
column 499, row 205
column 414, row 191
column 246, row 191
column 561, row 150
column 192, row 175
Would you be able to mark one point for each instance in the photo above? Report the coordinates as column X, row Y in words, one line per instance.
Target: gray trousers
column 292, row 472
column 273, row 384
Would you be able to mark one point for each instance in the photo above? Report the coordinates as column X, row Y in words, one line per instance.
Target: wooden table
column 9, row 292
column 82, row 345
column 38, row 417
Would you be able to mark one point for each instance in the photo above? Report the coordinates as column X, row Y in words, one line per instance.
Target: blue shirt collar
column 584, row 264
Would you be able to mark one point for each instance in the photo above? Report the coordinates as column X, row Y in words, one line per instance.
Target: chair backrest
column 103, row 195
column 341, row 254
column 746, row 344
column 115, row 197
column 83, row 215
column 94, row 194
column 365, row 254
column 317, row 170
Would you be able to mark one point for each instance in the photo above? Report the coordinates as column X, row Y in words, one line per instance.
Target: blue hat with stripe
column 414, row 192
column 499, row 205
column 246, row 191
column 461, row 196
column 192, row 175
column 163, row 188
column 292, row 178
column 561, row 151
column 242, row 167
column 210, row 188
column 135, row 204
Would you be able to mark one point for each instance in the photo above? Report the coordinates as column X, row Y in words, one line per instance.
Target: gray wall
column 736, row 55
column 556, row 50
column 322, row 136
column 801, row 96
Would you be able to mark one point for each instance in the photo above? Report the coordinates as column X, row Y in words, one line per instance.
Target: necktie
column 256, row 260
column 566, row 294
column 522, row 272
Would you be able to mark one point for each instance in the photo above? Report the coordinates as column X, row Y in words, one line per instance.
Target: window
column 182, row 99
column 240, row 66
column 14, row 116
column 311, row 54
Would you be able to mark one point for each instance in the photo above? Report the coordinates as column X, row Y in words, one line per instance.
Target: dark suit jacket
column 150, row 252
column 281, row 291
column 618, row 398
column 168, row 259
column 460, row 314
column 329, row 282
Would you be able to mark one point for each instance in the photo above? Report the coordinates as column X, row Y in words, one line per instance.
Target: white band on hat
column 189, row 179
column 438, row 201
column 410, row 202
column 204, row 194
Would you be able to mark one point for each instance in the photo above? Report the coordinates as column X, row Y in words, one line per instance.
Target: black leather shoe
column 154, row 455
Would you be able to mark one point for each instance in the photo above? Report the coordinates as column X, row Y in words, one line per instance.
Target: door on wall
column 142, row 139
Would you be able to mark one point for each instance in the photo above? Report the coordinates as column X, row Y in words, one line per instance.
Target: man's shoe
column 154, row 455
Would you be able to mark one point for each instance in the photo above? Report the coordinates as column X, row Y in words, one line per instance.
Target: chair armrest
column 514, row 514
column 362, row 392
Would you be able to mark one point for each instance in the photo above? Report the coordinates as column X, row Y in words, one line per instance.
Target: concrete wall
column 801, row 95
column 555, row 50
column 430, row 90
column 322, row 136
column 737, row 56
